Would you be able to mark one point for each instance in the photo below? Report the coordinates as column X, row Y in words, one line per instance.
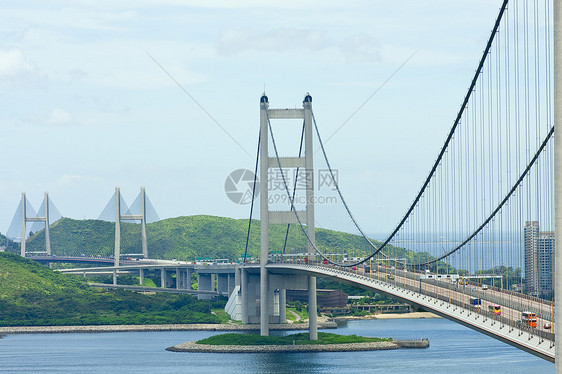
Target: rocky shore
column 130, row 328
column 376, row 346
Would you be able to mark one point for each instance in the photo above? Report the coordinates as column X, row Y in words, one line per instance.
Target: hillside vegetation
column 34, row 295
column 185, row 238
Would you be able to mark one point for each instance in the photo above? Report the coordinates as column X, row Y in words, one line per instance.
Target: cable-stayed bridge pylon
column 18, row 230
column 141, row 210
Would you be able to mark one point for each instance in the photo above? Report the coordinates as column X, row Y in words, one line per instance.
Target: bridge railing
column 514, row 300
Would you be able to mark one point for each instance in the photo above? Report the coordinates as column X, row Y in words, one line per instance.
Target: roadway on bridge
column 442, row 299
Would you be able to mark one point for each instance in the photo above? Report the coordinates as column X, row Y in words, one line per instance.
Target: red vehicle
column 324, row 262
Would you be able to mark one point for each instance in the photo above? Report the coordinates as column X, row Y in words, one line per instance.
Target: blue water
column 453, row 349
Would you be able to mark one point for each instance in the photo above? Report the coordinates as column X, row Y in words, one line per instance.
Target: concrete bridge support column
column 114, row 277
column 275, row 304
column 231, row 283
column 178, row 278
column 163, row 278
column 188, row 278
column 204, row 283
column 185, row 279
column 222, row 284
column 282, row 305
column 244, row 292
column 312, row 309
column 141, row 276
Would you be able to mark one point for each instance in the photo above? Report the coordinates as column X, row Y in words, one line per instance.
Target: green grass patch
column 222, row 315
column 303, row 312
column 147, row 282
column 294, row 339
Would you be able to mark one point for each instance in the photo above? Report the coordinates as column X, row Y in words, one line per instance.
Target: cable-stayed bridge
column 116, row 211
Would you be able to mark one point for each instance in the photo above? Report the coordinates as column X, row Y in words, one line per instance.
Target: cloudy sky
column 86, row 105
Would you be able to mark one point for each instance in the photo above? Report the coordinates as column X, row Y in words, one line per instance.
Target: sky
column 90, row 96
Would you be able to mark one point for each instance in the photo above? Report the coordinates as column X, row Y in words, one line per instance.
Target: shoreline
column 349, row 347
column 322, row 324
column 143, row 328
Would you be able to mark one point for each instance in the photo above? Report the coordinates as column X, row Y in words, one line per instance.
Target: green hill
column 34, row 295
column 185, row 238
column 20, row 278
column 8, row 245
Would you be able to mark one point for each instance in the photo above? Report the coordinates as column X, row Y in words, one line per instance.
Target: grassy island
column 324, row 338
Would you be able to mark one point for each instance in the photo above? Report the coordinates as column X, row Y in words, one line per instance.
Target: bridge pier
column 166, row 278
column 179, row 279
column 204, row 283
column 282, row 305
column 246, row 304
column 183, row 279
column 312, row 309
column 231, row 283
column 244, row 292
column 222, row 284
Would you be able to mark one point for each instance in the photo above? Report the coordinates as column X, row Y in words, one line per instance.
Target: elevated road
column 446, row 300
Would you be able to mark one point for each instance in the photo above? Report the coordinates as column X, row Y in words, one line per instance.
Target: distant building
column 539, row 260
column 531, row 236
column 545, row 264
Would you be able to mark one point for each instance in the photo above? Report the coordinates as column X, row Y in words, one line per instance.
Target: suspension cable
column 294, row 186
column 502, row 203
column 253, row 197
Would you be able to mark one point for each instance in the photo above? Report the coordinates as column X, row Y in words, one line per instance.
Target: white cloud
column 356, row 46
column 54, row 117
column 12, row 63
column 59, row 116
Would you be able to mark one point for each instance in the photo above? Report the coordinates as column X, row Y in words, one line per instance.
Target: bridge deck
column 443, row 300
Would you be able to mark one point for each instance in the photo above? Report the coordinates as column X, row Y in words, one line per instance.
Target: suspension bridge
column 486, row 207
column 489, row 207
